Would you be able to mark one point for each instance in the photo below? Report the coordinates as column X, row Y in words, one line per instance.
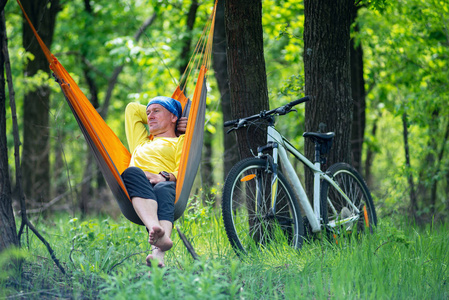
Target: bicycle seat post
column 317, row 154
column 316, row 180
column 323, row 142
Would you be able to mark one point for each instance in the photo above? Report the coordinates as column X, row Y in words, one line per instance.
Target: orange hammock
column 111, row 155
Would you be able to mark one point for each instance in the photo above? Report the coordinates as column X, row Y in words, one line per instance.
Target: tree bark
column 438, row 167
column 36, row 163
column 430, row 166
column 220, row 63
column 413, row 199
column 8, row 231
column 370, row 154
column 207, row 171
column 327, row 76
column 246, row 68
column 2, row 4
column 185, row 53
column 25, row 222
column 359, row 97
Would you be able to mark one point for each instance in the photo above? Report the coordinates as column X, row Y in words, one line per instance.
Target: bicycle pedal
column 345, row 213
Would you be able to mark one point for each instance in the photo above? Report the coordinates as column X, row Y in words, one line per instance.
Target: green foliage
column 405, row 58
column 405, row 46
column 91, row 45
column 198, row 280
column 283, row 30
column 379, row 5
column 10, row 267
column 105, row 259
column 283, row 24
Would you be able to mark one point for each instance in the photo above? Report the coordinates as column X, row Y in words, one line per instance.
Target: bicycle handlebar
column 282, row 110
column 299, row 101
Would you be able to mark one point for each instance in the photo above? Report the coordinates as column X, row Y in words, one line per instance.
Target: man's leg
column 165, row 194
column 159, row 232
column 157, row 253
column 142, row 192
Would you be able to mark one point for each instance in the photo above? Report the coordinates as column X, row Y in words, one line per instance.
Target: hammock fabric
column 111, row 155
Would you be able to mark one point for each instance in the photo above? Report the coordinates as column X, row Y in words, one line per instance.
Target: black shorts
column 164, row 193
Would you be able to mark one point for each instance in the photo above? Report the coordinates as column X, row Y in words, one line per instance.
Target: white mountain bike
column 260, row 204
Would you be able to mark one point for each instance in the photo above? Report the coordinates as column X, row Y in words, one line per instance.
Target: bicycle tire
column 335, row 209
column 249, row 227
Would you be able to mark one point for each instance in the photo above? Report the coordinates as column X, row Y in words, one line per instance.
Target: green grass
column 104, row 259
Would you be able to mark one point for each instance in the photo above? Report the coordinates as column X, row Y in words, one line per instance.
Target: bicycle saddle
column 319, row 137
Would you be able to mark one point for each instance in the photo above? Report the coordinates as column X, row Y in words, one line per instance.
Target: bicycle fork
column 272, row 167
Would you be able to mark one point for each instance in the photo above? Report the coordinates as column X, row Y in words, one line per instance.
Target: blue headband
column 172, row 105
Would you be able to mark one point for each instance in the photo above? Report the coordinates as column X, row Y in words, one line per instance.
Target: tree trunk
column 36, row 163
column 220, row 63
column 327, row 76
column 428, row 170
column 87, row 191
column 413, row 199
column 358, row 95
column 430, row 166
column 438, row 167
column 2, row 4
column 207, row 174
column 446, row 189
column 246, row 67
column 8, row 231
column 185, row 53
column 370, row 154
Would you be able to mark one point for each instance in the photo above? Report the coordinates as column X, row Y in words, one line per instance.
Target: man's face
column 160, row 120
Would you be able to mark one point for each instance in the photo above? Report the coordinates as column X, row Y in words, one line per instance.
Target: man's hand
column 154, row 178
column 182, row 124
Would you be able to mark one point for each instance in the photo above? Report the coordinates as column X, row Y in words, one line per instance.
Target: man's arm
column 135, row 120
column 156, row 178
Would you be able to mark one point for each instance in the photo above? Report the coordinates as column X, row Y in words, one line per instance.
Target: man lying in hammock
column 151, row 176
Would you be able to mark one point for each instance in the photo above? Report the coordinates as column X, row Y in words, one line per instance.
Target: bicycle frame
column 313, row 214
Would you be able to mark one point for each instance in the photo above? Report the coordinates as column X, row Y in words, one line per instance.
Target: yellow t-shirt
column 156, row 155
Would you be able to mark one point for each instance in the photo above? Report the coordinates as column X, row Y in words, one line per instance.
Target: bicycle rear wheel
column 249, row 219
column 339, row 215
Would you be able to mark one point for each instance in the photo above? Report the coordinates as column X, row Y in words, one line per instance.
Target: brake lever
column 230, row 130
column 241, row 124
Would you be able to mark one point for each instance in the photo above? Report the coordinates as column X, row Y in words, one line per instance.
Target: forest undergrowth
column 105, row 259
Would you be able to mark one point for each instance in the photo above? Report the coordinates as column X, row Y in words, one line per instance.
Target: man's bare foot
column 156, row 255
column 158, row 238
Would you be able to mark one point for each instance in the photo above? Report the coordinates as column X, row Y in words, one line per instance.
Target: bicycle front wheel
column 355, row 213
column 249, row 218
